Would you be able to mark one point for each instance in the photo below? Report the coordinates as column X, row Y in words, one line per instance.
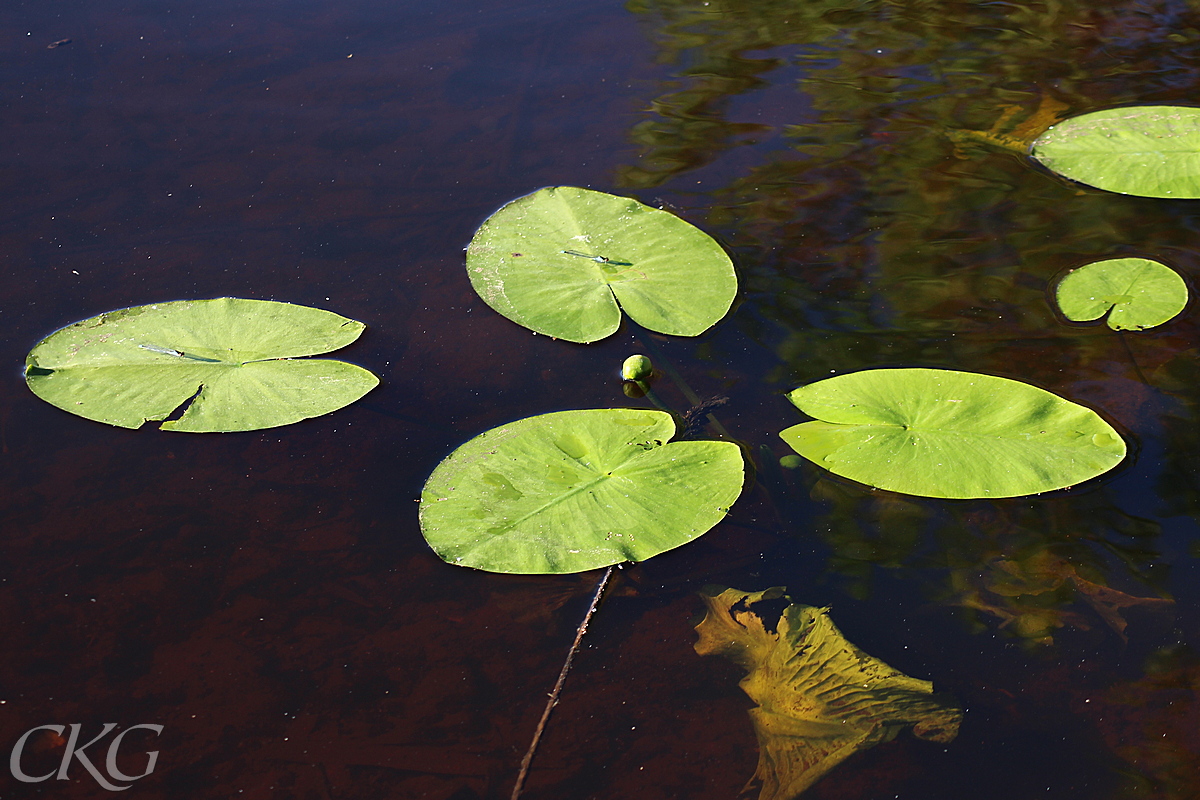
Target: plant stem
column 651, row 396
column 1132, row 360
column 693, row 398
column 558, row 685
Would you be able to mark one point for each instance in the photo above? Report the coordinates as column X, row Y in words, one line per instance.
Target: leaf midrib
column 599, row 479
column 175, row 363
column 1019, row 437
column 554, row 501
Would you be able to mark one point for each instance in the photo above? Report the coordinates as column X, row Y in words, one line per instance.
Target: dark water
column 267, row 597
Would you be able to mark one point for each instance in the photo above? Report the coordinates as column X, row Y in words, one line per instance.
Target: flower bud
column 636, row 368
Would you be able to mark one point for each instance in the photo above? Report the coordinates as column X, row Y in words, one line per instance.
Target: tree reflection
column 866, row 163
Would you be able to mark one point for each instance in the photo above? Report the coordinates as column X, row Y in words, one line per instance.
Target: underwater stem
column 562, row 678
column 677, row 379
column 1132, row 360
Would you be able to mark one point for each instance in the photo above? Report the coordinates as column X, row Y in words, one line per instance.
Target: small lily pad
column 236, row 361
column 1149, row 151
column 941, row 433
column 564, row 261
column 576, row 490
column 819, row 699
column 1141, row 293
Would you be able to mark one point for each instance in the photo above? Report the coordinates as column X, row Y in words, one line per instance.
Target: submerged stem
column 651, row 396
column 558, row 685
column 1132, row 360
column 677, row 379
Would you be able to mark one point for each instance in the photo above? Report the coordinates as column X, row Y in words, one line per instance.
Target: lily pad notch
column 1135, row 293
column 227, row 364
column 564, row 262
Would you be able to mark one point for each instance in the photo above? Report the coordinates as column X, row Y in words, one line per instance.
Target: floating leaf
column 940, row 433
column 560, row 260
column 235, row 360
column 1141, row 293
column 820, row 699
column 1149, row 151
column 576, row 490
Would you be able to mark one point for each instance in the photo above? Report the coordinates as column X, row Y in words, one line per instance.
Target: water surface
column 267, row 597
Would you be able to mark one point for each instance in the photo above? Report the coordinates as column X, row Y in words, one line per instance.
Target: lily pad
column 576, row 490
column 819, row 698
column 237, row 361
column 1141, row 293
column 941, row 433
column 1149, row 151
column 564, row 261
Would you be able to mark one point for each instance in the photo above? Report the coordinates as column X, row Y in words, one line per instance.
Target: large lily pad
column 940, row 433
column 1141, row 293
column 237, row 361
column 576, row 490
column 564, row 261
column 820, row 699
column 1149, row 151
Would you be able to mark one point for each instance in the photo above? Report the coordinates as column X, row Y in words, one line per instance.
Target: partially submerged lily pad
column 564, row 261
column 1141, row 293
column 576, row 490
column 237, row 361
column 819, row 698
column 941, row 433
column 1149, row 151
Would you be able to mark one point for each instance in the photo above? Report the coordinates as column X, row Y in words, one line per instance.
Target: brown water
column 267, row 597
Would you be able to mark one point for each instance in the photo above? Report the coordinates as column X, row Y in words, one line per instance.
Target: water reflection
column 853, row 182
column 885, row 214
column 865, row 161
column 1149, row 723
column 269, row 599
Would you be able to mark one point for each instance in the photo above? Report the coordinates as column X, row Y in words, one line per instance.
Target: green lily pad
column 564, row 261
column 576, row 490
column 940, row 433
column 818, row 698
column 1141, row 293
column 1149, row 151
column 237, row 361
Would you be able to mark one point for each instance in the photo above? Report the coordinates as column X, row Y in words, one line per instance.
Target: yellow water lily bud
column 636, row 368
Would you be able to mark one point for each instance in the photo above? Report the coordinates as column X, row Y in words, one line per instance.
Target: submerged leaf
column 1014, row 130
column 564, row 261
column 1141, row 293
column 1149, row 151
column 576, row 490
column 1032, row 595
column 941, row 433
column 820, row 699
column 236, row 360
